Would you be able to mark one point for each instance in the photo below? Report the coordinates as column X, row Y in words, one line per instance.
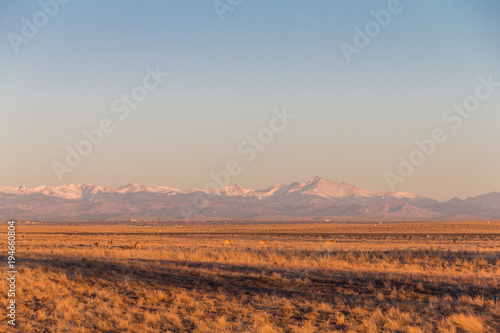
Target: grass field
column 413, row 277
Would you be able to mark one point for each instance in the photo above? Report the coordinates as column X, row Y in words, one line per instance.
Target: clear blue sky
column 226, row 76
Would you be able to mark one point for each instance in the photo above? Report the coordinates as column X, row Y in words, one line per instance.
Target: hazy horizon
column 351, row 116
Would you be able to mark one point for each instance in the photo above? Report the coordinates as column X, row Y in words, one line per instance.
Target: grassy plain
column 397, row 277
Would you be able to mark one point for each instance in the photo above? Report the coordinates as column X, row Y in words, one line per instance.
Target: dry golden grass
column 404, row 278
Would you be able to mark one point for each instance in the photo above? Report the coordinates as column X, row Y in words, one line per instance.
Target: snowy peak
column 64, row 191
column 316, row 199
column 316, row 187
column 74, row 191
column 329, row 189
column 232, row 191
column 269, row 191
column 403, row 195
column 281, row 190
column 135, row 188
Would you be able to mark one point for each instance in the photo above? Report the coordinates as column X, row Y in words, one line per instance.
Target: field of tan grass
column 413, row 277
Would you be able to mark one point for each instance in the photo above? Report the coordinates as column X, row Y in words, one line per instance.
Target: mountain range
column 316, row 200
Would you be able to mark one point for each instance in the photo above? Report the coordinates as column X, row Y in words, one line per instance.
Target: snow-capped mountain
column 317, row 199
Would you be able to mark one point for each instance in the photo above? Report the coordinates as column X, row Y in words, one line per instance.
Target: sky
column 177, row 92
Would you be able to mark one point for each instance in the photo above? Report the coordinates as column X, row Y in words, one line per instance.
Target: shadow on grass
column 236, row 279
